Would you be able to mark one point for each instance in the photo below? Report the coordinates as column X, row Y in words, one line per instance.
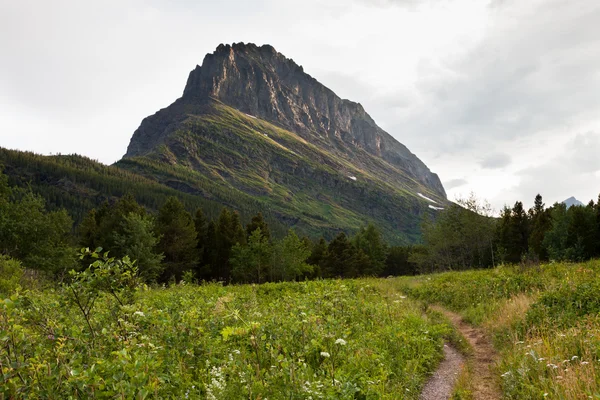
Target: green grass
column 545, row 322
column 354, row 339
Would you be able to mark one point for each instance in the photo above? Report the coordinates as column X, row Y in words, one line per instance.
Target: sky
column 498, row 97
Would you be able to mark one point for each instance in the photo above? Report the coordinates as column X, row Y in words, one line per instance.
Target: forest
column 174, row 244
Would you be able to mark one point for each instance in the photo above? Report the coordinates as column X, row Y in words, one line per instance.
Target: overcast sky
column 499, row 97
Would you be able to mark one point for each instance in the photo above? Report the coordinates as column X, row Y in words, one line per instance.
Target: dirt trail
column 483, row 381
column 442, row 381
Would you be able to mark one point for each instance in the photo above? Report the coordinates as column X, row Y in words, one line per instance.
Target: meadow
column 107, row 335
column 544, row 321
column 104, row 336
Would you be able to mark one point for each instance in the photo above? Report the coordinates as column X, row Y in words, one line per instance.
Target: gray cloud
column 575, row 172
column 75, row 71
column 495, row 161
column 536, row 70
column 454, row 183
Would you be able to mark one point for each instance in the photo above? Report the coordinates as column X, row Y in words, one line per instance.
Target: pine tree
column 258, row 222
column 518, row 241
column 229, row 232
column 177, row 238
column 370, row 241
column 201, row 225
column 317, row 257
column 540, row 224
column 343, row 259
column 139, row 242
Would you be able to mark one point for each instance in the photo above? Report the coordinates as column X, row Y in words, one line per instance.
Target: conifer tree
column 258, row 222
column 229, row 232
column 370, row 241
column 177, row 238
column 137, row 240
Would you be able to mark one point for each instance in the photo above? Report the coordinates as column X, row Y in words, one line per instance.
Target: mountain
column 252, row 126
column 572, row 201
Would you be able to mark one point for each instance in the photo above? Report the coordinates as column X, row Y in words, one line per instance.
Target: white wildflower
column 325, row 354
column 139, row 313
column 341, row 342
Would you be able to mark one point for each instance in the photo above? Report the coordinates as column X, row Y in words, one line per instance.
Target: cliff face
column 264, row 83
column 253, row 127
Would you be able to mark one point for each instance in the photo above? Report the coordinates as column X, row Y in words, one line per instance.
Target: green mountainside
column 254, row 132
column 251, row 126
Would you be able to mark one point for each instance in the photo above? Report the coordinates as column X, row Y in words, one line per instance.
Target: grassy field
column 348, row 339
column 352, row 339
column 544, row 321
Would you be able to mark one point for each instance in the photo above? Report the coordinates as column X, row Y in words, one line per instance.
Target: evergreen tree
column 201, row 225
column 258, row 222
column 581, row 233
column 100, row 227
column 370, row 241
column 210, row 253
column 177, row 238
column 540, row 224
column 137, row 239
column 397, row 262
column 518, row 234
column 343, row 259
column 229, row 232
column 317, row 257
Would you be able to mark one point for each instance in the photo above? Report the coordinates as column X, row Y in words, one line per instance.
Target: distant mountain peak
column 572, row 201
column 260, row 81
column 253, row 128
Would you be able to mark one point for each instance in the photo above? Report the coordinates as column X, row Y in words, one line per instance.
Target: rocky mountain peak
column 262, row 82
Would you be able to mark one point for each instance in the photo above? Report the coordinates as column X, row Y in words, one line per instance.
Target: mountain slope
column 252, row 126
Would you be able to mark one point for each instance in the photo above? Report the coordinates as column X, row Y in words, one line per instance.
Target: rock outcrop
column 261, row 82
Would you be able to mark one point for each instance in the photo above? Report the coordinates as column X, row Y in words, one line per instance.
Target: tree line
column 172, row 244
column 466, row 235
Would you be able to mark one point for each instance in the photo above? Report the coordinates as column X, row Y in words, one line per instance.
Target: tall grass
column 544, row 321
column 354, row 339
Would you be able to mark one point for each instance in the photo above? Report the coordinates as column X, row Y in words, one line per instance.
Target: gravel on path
column 441, row 383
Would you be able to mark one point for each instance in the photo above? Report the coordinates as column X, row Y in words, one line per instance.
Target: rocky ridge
column 263, row 83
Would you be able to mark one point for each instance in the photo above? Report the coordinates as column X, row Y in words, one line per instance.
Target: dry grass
column 509, row 313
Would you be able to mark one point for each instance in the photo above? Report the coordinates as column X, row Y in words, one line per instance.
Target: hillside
column 252, row 126
column 79, row 184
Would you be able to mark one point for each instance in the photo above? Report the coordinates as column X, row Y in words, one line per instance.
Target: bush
column 11, row 273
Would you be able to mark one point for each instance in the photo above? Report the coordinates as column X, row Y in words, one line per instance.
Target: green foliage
column 178, row 244
column 258, row 222
column 397, row 262
column 371, row 242
column 565, row 305
column 11, row 273
column 252, row 262
column 343, row 259
column 544, row 321
column 139, row 242
column 472, row 289
column 106, row 274
column 322, row 339
column 461, row 238
column 40, row 239
column 229, row 232
column 291, row 254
